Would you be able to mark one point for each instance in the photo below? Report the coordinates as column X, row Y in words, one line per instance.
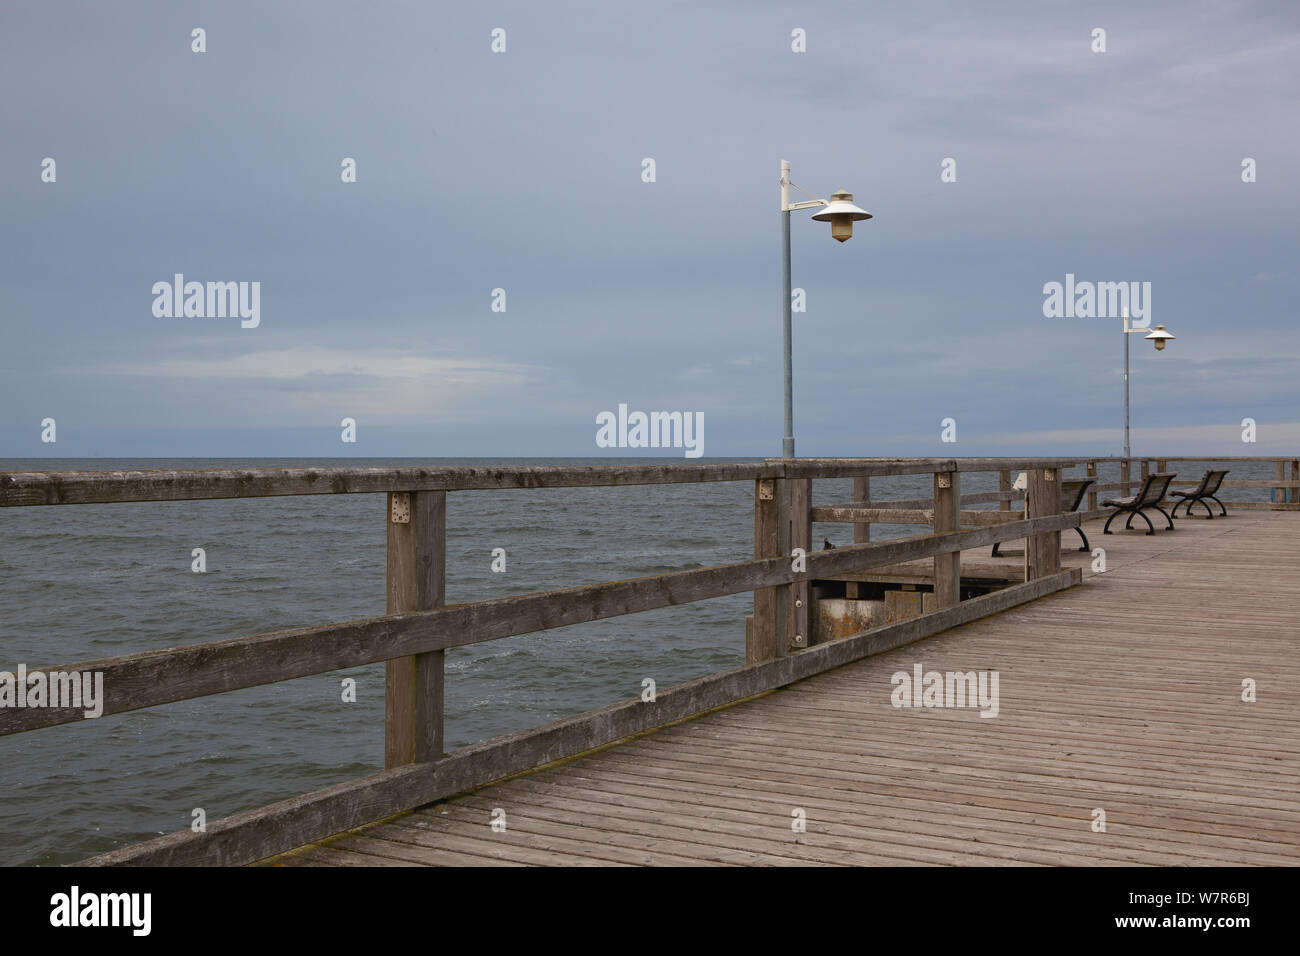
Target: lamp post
column 1158, row 337
column 841, row 214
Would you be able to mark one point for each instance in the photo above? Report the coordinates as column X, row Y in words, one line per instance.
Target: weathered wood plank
column 947, row 517
column 862, row 498
column 92, row 487
column 18, row 489
column 800, row 536
column 768, row 631
column 159, row 677
column 848, row 513
column 1043, row 499
column 257, row 834
column 878, row 467
column 413, row 686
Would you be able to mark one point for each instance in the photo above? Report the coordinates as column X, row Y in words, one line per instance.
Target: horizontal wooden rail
column 143, row 680
column 977, row 498
column 1209, row 458
column 74, row 488
column 873, row 467
column 851, row 515
column 257, row 834
column 18, row 489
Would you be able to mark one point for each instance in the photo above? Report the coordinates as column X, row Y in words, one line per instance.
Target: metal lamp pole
column 1158, row 337
column 841, row 214
column 787, row 441
column 1126, row 332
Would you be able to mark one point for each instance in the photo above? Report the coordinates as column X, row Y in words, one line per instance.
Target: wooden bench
column 1208, row 488
column 1072, row 493
column 1151, row 494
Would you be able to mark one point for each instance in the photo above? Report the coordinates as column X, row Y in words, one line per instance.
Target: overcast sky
column 522, row 171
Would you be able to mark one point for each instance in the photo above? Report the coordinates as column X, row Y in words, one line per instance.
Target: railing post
column 1123, row 477
column 1092, row 489
column 947, row 517
column 1146, row 469
column 1004, row 486
column 861, row 495
column 413, row 698
column 1279, row 472
column 768, row 638
column 861, row 529
column 800, row 537
column 1043, row 551
column 1295, row 476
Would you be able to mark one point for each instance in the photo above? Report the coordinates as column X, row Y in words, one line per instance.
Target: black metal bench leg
column 1151, row 529
column 1167, row 518
column 1086, row 546
column 1222, row 510
column 1106, row 529
column 996, row 545
column 1209, row 512
column 1181, row 501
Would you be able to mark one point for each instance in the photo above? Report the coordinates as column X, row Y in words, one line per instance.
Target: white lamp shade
column 841, row 204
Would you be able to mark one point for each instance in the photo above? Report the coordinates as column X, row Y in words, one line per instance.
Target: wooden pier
column 1122, row 696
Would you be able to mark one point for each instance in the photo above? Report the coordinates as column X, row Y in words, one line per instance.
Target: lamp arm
column 815, row 202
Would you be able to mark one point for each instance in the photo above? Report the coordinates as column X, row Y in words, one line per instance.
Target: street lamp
column 841, row 214
column 1159, row 337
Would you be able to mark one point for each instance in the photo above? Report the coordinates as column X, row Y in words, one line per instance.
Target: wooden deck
column 1122, row 695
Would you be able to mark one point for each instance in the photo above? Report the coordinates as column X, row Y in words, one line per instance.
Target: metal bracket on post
column 401, row 508
column 766, row 489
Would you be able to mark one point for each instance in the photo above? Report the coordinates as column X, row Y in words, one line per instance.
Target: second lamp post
column 1158, row 337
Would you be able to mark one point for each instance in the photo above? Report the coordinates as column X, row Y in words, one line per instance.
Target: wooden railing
column 864, row 512
column 419, row 626
column 1285, row 493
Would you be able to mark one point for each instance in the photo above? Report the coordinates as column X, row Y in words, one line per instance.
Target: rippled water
column 85, row 582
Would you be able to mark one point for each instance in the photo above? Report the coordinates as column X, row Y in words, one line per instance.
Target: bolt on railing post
column 413, row 686
column 800, row 593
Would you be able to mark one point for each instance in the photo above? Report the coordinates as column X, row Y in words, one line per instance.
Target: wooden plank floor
column 1122, row 695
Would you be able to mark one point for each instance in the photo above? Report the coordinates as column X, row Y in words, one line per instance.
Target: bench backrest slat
column 1213, row 479
column 1155, row 487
